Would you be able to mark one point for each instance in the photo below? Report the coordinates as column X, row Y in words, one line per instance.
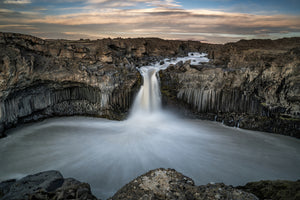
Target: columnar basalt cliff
column 251, row 83
column 44, row 78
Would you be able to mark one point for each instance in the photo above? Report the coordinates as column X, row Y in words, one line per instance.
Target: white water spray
column 148, row 100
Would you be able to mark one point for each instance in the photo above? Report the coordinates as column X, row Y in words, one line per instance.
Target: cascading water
column 148, row 99
column 108, row 154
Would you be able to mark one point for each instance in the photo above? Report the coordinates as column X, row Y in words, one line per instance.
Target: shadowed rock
column 276, row 190
column 155, row 184
column 45, row 186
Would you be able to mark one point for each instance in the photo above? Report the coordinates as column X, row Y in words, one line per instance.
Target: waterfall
column 108, row 154
column 148, row 99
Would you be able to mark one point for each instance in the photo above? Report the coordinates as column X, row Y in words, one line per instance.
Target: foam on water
column 108, row 154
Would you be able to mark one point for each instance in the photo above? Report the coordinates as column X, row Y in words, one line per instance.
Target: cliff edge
column 251, row 84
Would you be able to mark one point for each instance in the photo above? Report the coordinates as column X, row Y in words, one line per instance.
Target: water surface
column 109, row 154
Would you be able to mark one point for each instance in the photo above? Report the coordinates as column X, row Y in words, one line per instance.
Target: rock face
column 49, row 185
column 170, row 184
column 155, row 184
column 249, row 84
column 276, row 190
column 44, row 78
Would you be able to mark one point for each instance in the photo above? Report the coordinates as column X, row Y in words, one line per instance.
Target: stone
column 277, row 190
column 48, row 185
column 170, row 184
column 252, row 83
column 5, row 186
column 155, row 184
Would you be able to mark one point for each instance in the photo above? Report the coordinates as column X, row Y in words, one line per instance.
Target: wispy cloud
column 164, row 3
column 18, row 26
column 144, row 18
column 17, row 2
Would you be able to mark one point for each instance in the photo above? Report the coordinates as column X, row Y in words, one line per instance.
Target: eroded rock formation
column 44, row 78
column 170, row 184
column 155, row 184
column 278, row 189
column 251, row 84
column 46, row 185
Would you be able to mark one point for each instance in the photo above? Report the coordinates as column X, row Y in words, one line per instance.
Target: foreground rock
column 170, row 184
column 275, row 190
column 49, row 185
column 155, row 184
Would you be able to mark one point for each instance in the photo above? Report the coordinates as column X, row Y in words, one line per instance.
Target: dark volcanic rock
column 45, row 186
column 275, row 190
column 43, row 78
column 251, row 84
column 155, row 184
column 170, row 184
column 254, row 84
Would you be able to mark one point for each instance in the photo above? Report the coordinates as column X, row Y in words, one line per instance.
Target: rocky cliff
column 44, row 78
column 251, row 84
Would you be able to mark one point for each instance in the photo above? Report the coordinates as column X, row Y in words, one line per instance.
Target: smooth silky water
column 108, row 154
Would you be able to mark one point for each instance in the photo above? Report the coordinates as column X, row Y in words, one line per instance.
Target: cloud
column 164, row 3
column 160, row 18
column 5, row 10
column 17, row 26
column 17, row 2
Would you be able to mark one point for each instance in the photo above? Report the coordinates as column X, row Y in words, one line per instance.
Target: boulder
column 170, row 184
column 275, row 190
column 46, row 185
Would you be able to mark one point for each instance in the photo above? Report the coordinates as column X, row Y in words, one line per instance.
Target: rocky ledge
column 252, row 84
column 155, row 184
column 45, row 78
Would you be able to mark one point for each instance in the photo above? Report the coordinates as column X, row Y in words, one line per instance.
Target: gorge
column 254, row 83
column 249, row 84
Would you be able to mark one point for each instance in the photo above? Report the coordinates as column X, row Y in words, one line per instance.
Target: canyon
column 252, row 84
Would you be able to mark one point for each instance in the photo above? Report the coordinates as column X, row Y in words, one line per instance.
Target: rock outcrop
column 276, row 190
column 170, row 184
column 155, row 184
column 44, row 78
column 249, row 84
column 49, row 185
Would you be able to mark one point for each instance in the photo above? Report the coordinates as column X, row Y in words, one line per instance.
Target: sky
column 215, row 21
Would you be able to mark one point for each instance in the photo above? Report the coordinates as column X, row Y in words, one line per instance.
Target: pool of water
column 108, row 154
